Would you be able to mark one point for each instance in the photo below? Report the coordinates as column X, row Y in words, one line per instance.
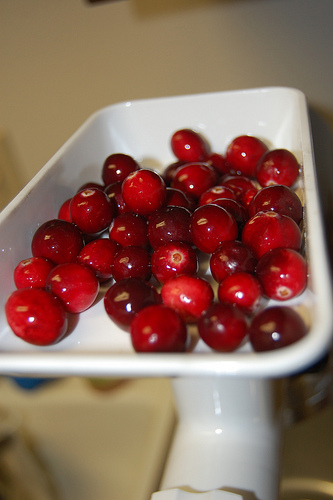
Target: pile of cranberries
column 208, row 242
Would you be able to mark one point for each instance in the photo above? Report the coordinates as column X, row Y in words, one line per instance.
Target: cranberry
column 36, row 316
column 242, row 290
column 57, row 240
column 32, row 272
column 240, row 184
column 158, row 328
column 173, row 259
column 237, row 210
column 99, row 255
column 214, row 193
column 124, row 299
column 188, row 145
column 210, row 226
column 276, row 327
column 144, row 191
column 177, row 198
column 231, row 257
column 90, row 185
column 64, row 213
column 75, row 285
column 117, row 166
column 278, row 166
column 91, row 210
column 218, row 162
column 268, row 230
column 277, row 198
column 194, row 179
column 114, row 192
column 169, row 224
column 243, row 154
column 222, row 327
column 282, row 273
column 131, row 262
column 188, row 295
column 246, row 197
column 129, row 229
column 168, row 172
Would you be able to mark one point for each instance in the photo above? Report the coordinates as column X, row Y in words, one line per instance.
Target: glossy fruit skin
column 188, row 145
column 168, row 172
column 177, row 198
column 194, row 179
column 57, row 240
column 268, row 230
column 214, row 193
column 277, row 198
column 242, row 290
column 144, row 191
column 32, row 272
column 129, row 229
column 158, row 328
column 282, row 273
column 188, row 295
column 64, row 213
column 173, row 259
column 237, row 210
column 91, row 210
column 240, row 184
column 114, row 192
column 277, row 166
column 222, row 327
column 169, row 224
column 210, row 226
column 124, row 299
column 99, row 255
column 117, row 167
column 218, row 162
column 36, row 316
column 131, row 262
column 276, row 327
column 231, row 257
column 75, row 285
column 243, row 153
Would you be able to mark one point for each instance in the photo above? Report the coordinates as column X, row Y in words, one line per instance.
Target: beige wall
column 61, row 60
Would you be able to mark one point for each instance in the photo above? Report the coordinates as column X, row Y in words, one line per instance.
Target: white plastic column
column 228, row 436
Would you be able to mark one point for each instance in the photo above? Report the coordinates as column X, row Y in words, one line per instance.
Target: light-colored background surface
column 61, row 60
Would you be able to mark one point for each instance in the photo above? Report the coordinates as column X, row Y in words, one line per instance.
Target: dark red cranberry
column 282, row 273
column 188, row 145
column 222, row 327
column 158, row 328
column 64, row 213
column 237, row 210
column 36, row 316
column 90, row 185
column 210, row 226
column 243, row 153
column 243, row 290
column 277, row 198
column 173, row 259
column 129, row 229
column 57, row 240
column 168, row 172
column 238, row 183
column 177, row 198
column 117, row 166
column 32, row 272
column 218, row 162
column 91, row 210
column 169, row 224
column 194, row 179
column 131, row 262
column 214, row 193
column 231, row 257
column 99, row 255
column 276, row 327
column 114, row 192
column 278, row 166
column 144, row 191
column 124, row 299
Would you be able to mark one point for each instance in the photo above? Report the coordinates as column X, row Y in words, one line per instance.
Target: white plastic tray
column 143, row 129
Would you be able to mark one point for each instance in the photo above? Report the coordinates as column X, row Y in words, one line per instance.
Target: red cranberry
column 114, row 192
column 64, row 213
column 177, row 198
column 237, row 210
column 36, row 316
column 91, row 210
column 222, row 327
column 277, row 198
column 231, row 257
column 246, row 198
column 169, row 224
column 188, row 295
column 99, row 255
column 210, row 226
column 214, row 193
column 129, row 229
column 218, row 162
column 131, row 262
column 188, row 145
column 276, row 327
column 194, row 179
column 32, row 272
column 168, row 172
column 158, row 328
column 282, row 273
column 278, row 166
column 124, row 299
column 57, row 240
column 75, row 285
column 242, row 290
column 268, row 230
column 240, row 184
column 117, row 166
column 144, row 191
column 90, row 185
column 243, row 153
column 173, row 259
